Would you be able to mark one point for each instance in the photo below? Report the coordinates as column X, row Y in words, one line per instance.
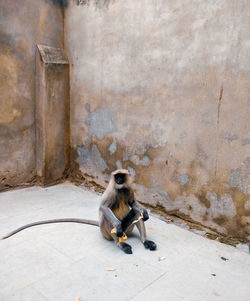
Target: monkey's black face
column 120, row 178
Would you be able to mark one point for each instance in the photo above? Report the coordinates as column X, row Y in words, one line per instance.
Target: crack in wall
column 218, row 128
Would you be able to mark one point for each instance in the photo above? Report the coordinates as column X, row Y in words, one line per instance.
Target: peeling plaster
column 229, row 136
column 154, row 182
column 130, row 156
column 87, row 107
column 87, row 157
column 145, row 161
column 137, row 161
column 112, row 147
column 101, row 123
column 223, row 206
column 118, row 164
column 247, row 205
column 153, row 196
column 132, row 172
column 182, row 179
column 236, row 180
column 97, row 3
column 190, row 206
column 240, row 177
column 246, row 141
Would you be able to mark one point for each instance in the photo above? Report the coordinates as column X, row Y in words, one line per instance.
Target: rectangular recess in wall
column 52, row 114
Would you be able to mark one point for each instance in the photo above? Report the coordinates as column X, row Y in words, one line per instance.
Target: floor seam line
column 149, row 285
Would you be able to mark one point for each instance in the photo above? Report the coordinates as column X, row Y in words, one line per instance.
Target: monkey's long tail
column 52, row 221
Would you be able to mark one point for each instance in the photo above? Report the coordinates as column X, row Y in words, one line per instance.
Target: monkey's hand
column 119, row 231
column 145, row 214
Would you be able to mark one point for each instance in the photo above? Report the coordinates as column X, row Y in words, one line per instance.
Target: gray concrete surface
column 62, row 261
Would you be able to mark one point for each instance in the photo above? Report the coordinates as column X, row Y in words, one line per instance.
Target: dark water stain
column 201, row 196
column 59, row 3
column 6, row 41
column 175, row 216
column 220, row 220
column 246, row 141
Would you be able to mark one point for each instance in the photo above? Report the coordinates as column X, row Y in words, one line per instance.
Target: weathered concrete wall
column 162, row 88
column 23, row 24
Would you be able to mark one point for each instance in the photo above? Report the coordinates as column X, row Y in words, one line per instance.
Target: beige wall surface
column 23, row 24
column 162, row 88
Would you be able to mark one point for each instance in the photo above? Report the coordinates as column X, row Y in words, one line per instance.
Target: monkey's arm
column 109, row 215
column 140, row 209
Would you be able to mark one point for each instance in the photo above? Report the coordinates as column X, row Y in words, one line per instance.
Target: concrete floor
column 63, row 261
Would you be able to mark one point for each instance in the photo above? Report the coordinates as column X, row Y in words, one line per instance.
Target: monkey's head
column 121, row 179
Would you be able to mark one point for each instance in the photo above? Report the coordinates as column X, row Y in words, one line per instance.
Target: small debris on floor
column 111, row 269
column 116, row 275
column 161, row 258
column 224, row 258
column 213, row 274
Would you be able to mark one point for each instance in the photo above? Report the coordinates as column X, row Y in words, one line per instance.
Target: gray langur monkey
column 118, row 208
column 118, row 213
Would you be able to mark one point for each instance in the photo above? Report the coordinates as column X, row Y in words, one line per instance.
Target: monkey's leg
column 126, row 248
column 148, row 244
column 106, row 228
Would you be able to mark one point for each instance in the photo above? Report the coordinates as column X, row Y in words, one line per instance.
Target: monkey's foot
column 126, row 248
column 149, row 244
